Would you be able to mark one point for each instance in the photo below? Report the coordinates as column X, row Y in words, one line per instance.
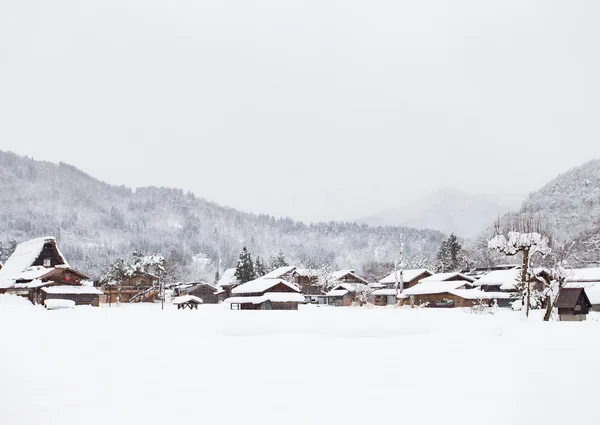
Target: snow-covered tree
column 528, row 245
column 325, row 279
column 259, row 267
column 277, row 261
column 449, row 257
column 244, row 271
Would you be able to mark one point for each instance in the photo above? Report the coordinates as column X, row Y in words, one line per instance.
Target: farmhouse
column 447, row 277
column 573, row 305
column 265, row 294
column 345, row 294
column 81, row 294
column 226, row 283
column 202, row 290
column 308, row 281
column 139, row 287
column 386, row 292
column 37, row 264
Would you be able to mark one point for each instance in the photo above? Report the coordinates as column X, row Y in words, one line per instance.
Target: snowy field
column 136, row 364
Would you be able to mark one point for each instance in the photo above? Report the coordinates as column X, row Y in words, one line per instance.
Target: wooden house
column 386, row 292
column 81, row 294
column 308, row 281
column 140, row 286
column 226, row 283
column 37, row 264
column 573, row 305
column 202, row 290
column 346, row 294
column 265, row 294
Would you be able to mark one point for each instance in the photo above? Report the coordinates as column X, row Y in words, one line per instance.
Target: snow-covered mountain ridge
column 95, row 223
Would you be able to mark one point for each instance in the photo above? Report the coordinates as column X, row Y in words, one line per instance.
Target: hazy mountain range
column 448, row 210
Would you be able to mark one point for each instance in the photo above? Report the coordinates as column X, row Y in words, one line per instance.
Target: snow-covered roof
column 339, row 274
column 506, row 279
column 337, row 292
column 228, row 278
column 25, row 254
column 591, row 274
column 262, row 285
column 440, row 277
column 435, row 287
column 279, row 272
column 407, row 275
column 72, row 290
column 385, row 291
column 306, row 272
column 478, row 294
column 186, row 299
column 275, row 297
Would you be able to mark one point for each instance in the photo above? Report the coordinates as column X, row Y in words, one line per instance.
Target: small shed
column 573, row 305
column 80, row 295
column 187, row 301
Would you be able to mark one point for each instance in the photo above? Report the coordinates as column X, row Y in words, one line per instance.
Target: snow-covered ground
column 136, row 364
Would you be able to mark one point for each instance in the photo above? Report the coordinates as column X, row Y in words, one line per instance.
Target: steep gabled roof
column 339, row 274
column 568, row 297
column 435, row 287
column 24, row 257
column 279, row 272
column 228, row 278
column 407, row 275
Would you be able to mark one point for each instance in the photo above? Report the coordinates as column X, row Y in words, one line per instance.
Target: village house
column 226, row 283
column 573, row 305
column 308, row 281
column 202, row 290
column 81, row 294
column 140, row 286
column 386, row 292
column 38, row 264
column 588, row 279
column 265, row 294
column 346, row 294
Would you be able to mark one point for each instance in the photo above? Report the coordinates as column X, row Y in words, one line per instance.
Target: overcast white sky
column 312, row 109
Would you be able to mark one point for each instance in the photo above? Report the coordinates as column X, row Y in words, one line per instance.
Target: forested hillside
column 568, row 208
column 96, row 223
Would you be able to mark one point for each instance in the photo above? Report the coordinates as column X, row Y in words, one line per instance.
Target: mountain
column 570, row 203
column 567, row 209
column 448, row 210
column 96, row 223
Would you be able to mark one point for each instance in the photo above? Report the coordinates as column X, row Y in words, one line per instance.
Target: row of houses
column 38, row 270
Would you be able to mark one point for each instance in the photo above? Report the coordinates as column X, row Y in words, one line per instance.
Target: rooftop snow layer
column 66, row 289
column 407, row 275
column 435, row 287
column 440, row 277
column 280, row 297
column 228, row 278
column 506, row 279
column 262, row 285
column 279, row 272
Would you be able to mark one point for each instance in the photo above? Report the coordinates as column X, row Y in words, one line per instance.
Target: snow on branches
column 517, row 242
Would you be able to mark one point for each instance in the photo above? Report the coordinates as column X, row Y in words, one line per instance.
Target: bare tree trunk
column 549, row 306
column 525, row 279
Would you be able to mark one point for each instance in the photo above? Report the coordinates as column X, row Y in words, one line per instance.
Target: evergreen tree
column 449, row 256
column 217, row 277
column 244, row 271
column 259, row 267
column 278, row 261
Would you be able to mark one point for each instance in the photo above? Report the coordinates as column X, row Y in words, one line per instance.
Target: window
column 47, row 262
